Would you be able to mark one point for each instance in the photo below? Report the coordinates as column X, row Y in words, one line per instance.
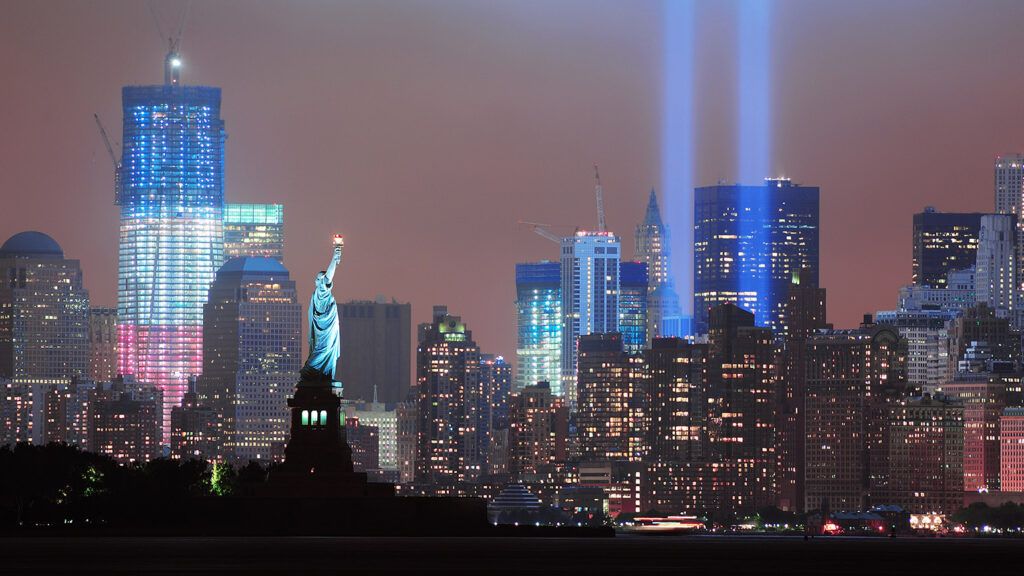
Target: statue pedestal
column 318, row 460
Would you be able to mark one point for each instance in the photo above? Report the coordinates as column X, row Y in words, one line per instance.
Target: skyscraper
column 539, row 325
column 492, row 413
column 251, row 356
column 1009, row 183
column 102, row 344
column 254, row 230
column 633, row 299
column 376, row 341
column 170, row 189
column 748, row 242
column 996, row 265
column 943, row 242
column 44, row 311
column 653, row 247
column 447, row 401
column 590, row 295
column 536, row 439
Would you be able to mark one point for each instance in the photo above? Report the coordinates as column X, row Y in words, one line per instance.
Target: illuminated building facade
column 251, row 356
column 805, row 313
column 364, row 440
column 376, row 349
column 447, row 400
column 677, row 373
column 981, row 323
column 653, row 247
column 748, row 243
column 957, row 293
column 1011, row 450
column 125, row 424
column 633, row 310
column 536, row 438
column 1009, row 183
column 853, row 378
column 492, row 413
column 385, row 420
column 44, row 311
column 926, row 446
column 996, row 268
column 170, row 189
column 610, row 412
column 254, row 230
column 590, row 295
column 539, row 325
column 102, row 344
column 943, row 242
column 195, row 431
column 983, row 397
column 741, row 403
column 927, row 337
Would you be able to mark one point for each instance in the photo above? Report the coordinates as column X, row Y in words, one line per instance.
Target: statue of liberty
column 324, row 336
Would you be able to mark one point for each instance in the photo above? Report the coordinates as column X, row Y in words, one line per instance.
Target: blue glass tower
column 633, row 306
column 170, row 189
column 748, row 242
column 539, row 324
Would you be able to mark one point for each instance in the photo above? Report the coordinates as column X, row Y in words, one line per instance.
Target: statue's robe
column 324, row 335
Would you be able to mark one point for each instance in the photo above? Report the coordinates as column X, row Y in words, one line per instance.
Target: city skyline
column 401, row 91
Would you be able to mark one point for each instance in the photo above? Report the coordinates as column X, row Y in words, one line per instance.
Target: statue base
column 318, row 459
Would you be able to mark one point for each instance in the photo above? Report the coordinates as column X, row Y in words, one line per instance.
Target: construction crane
column 599, row 192
column 172, row 63
column 113, row 158
column 542, row 230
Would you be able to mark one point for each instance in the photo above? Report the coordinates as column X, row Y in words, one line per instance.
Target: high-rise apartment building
column 448, row 393
column 610, row 412
column 653, row 247
column 195, row 431
column 492, row 412
column 538, row 422
column 102, row 344
column 251, row 352
column 590, row 295
column 376, row 340
column 981, row 323
column 125, row 423
column 254, row 230
column 943, row 242
column 676, row 387
column 748, row 243
column 853, row 378
column 633, row 311
column 1009, row 183
column 539, row 325
column 170, row 190
column 927, row 335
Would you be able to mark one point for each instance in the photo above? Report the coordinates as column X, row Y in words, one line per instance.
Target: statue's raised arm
column 324, row 335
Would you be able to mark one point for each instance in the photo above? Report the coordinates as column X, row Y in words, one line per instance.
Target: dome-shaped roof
column 31, row 243
column 253, row 265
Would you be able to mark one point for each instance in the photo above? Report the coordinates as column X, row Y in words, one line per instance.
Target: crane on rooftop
column 113, row 158
column 172, row 63
column 599, row 193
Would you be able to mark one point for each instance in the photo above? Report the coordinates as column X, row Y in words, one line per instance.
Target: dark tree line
column 61, row 485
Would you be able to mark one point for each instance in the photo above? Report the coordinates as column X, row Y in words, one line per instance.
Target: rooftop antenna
column 172, row 62
column 599, row 192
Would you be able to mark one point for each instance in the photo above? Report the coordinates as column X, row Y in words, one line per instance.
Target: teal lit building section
column 539, row 324
column 633, row 306
column 170, row 189
column 254, row 230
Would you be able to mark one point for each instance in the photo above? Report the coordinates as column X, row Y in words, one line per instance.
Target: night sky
column 423, row 130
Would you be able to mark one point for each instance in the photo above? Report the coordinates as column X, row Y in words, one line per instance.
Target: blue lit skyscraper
column 748, row 243
column 539, row 324
column 170, row 189
column 633, row 306
column 590, row 295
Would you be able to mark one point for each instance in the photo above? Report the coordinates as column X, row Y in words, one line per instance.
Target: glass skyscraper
column 254, row 230
column 539, row 324
column 943, row 242
column 170, row 189
column 590, row 295
column 748, row 242
column 633, row 306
